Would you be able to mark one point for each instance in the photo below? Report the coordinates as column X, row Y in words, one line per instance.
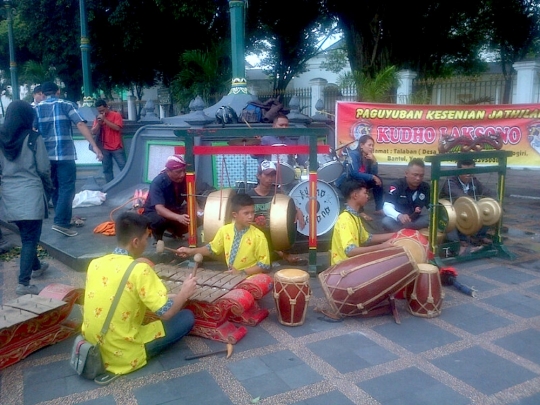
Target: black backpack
column 226, row 115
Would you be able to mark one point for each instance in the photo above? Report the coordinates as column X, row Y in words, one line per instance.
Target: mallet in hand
column 160, row 247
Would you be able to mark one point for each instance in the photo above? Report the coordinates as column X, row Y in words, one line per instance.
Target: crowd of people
column 37, row 156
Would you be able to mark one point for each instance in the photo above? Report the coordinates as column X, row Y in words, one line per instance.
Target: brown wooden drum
column 412, row 240
column 282, row 222
column 217, row 212
column 357, row 285
column 425, row 294
column 291, row 294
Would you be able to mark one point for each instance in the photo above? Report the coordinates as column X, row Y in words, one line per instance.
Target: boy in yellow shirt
column 350, row 238
column 245, row 247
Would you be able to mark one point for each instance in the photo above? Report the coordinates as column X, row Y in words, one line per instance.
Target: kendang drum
column 425, row 295
column 357, row 285
column 327, row 206
column 330, row 168
column 416, row 243
column 285, row 167
column 282, row 225
column 291, row 294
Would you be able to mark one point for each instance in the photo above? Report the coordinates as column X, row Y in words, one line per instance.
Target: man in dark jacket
column 406, row 199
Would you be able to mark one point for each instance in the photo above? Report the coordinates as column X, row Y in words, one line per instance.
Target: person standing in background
column 55, row 117
column 26, row 179
column 38, row 95
column 107, row 129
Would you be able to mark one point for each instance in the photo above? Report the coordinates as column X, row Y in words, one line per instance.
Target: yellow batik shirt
column 123, row 346
column 349, row 233
column 242, row 249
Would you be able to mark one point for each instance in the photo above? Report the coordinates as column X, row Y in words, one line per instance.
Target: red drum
column 425, row 295
column 291, row 294
column 357, row 285
column 416, row 243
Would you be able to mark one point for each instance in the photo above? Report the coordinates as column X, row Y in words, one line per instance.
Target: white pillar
column 527, row 82
column 132, row 111
column 317, row 92
column 404, row 90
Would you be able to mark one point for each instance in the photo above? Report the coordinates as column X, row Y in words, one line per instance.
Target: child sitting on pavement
column 350, row 238
column 245, row 247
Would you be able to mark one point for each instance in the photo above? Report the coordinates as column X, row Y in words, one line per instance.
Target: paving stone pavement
column 481, row 350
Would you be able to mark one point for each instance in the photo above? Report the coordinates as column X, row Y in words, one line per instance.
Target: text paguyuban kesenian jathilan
column 405, row 132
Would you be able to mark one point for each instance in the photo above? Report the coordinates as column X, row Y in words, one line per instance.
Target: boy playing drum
column 350, row 238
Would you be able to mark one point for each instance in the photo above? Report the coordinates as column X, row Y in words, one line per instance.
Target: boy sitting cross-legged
column 245, row 246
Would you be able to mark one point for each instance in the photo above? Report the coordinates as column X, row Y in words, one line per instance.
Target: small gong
column 468, row 219
column 490, row 211
column 446, row 216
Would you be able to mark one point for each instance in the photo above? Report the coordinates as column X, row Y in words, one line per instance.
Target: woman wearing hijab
column 25, row 182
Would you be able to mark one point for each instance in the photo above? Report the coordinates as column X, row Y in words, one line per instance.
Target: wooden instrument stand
column 31, row 322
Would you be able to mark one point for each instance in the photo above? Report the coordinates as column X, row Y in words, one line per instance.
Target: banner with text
column 404, row 132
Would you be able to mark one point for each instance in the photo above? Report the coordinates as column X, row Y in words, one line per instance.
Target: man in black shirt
column 406, row 199
column 165, row 207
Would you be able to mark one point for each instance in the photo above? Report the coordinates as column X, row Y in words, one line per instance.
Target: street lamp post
column 12, row 64
column 88, row 100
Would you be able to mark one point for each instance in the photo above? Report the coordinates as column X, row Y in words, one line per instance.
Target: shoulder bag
column 85, row 357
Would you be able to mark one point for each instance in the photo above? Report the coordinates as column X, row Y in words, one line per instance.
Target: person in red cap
column 166, row 204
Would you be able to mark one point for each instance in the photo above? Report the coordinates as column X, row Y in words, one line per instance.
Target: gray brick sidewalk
column 481, row 350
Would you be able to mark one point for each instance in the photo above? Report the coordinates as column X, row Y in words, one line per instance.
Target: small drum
column 285, row 167
column 359, row 284
column 330, row 168
column 416, row 243
column 327, row 205
column 425, row 294
column 291, row 294
column 282, row 226
column 217, row 212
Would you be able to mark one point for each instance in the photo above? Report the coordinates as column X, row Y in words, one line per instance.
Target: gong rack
column 497, row 163
column 193, row 146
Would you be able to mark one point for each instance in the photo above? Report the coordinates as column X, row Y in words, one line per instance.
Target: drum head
column 327, row 205
column 285, row 173
column 217, row 212
column 292, row 275
column 282, row 226
column 329, row 168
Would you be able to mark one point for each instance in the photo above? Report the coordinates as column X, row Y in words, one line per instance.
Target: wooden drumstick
column 198, row 261
column 160, row 247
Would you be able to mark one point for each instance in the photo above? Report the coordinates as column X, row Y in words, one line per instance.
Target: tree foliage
column 138, row 43
column 288, row 39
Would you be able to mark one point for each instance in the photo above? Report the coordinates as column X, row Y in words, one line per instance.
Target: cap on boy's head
column 175, row 162
column 37, row 89
column 49, row 88
column 267, row 167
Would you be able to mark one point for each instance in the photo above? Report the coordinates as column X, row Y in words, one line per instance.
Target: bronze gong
column 282, row 225
column 468, row 220
column 446, row 216
column 490, row 211
column 217, row 212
